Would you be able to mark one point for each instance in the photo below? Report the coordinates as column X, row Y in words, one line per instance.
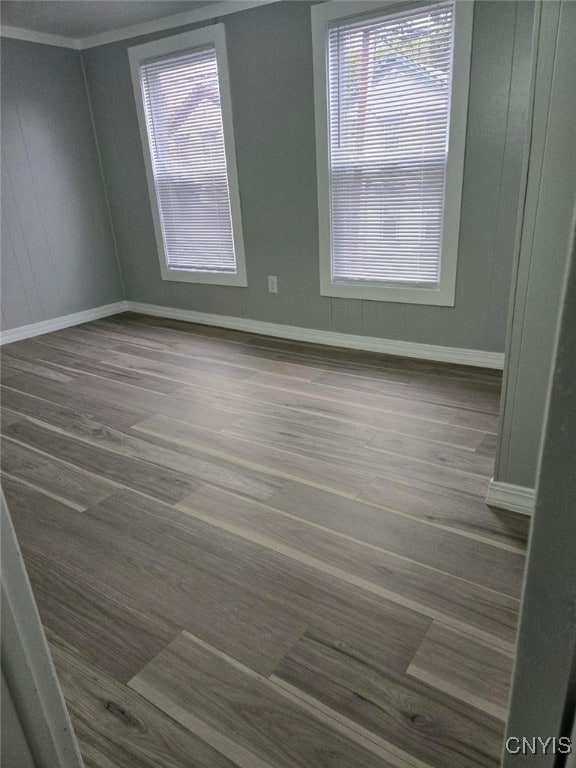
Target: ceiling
column 84, row 18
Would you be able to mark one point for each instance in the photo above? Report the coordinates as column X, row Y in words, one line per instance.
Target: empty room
column 288, row 391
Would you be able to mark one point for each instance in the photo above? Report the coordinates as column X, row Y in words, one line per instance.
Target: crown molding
column 16, row 33
column 205, row 13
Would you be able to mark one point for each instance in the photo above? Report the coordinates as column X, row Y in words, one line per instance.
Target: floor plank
column 430, row 725
column 8, row 417
column 69, row 398
column 423, row 475
column 15, row 365
column 213, row 382
column 462, row 393
column 488, row 444
column 105, row 335
column 118, row 728
column 454, row 457
column 113, row 634
column 348, row 480
column 297, row 435
column 447, row 499
column 284, row 547
column 312, row 397
column 460, row 665
column 166, row 326
column 233, row 353
column 326, row 356
column 58, row 479
column 75, row 596
column 6, row 370
column 281, row 597
column 242, row 714
column 165, row 572
column 358, row 553
column 103, row 400
column 70, row 361
column 429, row 592
column 373, row 359
column 228, row 369
column 476, row 420
column 156, row 481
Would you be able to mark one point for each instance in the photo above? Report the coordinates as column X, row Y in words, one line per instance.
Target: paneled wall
column 546, row 229
column 270, row 55
column 58, row 247
column 58, row 254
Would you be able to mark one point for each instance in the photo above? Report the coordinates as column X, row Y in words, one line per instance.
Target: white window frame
column 138, row 54
column 444, row 293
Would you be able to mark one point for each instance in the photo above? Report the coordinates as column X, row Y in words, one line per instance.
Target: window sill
column 237, row 279
column 442, row 296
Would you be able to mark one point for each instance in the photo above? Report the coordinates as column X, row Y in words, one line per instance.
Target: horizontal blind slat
column 389, row 89
column 184, row 121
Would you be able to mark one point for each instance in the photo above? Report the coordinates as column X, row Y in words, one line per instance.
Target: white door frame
column 27, row 665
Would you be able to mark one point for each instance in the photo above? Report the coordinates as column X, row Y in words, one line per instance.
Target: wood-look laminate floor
column 258, row 553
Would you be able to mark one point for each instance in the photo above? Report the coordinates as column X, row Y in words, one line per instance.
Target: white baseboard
column 474, row 357
column 65, row 321
column 514, row 498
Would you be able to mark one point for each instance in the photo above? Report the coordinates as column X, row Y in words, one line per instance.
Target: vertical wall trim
column 543, row 696
column 510, row 367
column 502, row 173
column 102, row 175
column 27, row 664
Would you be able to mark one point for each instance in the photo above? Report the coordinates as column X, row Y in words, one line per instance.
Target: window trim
column 444, row 294
column 213, row 34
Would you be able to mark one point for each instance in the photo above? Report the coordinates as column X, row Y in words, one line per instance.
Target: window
column 183, row 103
column 391, row 85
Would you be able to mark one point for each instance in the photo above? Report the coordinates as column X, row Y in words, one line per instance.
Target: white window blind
column 389, row 88
column 184, row 123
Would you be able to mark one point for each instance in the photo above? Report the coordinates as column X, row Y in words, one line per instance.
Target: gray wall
column 270, row 57
column 542, row 249
column 58, row 253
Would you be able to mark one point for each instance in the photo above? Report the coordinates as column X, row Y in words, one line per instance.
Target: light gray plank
column 166, row 572
column 244, row 715
column 442, row 550
column 443, row 499
column 355, row 449
column 19, row 365
column 45, row 352
column 153, row 480
column 58, row 479
column 465, row 668
column 117, row 727
column 349, row 481
column 313, row 397
column 47, row 401
column 433, row 727
column 8, row 417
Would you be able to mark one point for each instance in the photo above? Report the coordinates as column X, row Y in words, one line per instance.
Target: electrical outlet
column 272, row 284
